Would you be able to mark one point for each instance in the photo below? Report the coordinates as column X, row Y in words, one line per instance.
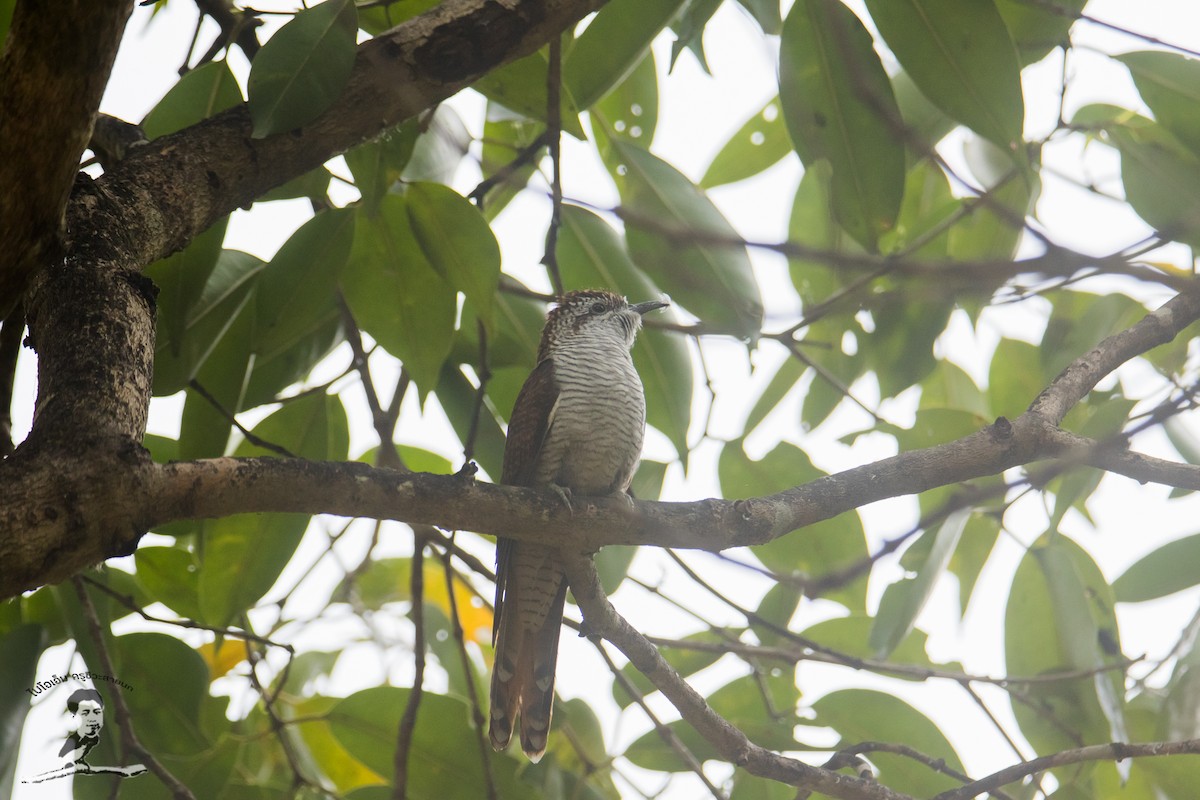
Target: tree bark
column 55, row 65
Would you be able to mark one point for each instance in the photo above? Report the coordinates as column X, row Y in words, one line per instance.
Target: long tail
column 526, row 642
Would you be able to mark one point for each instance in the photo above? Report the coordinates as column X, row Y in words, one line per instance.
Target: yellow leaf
column 222, row 659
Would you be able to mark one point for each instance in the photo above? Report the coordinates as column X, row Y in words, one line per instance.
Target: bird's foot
column 564, row 494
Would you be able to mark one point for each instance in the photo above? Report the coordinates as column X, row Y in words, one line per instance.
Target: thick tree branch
column 128, row 495
column 53, row 70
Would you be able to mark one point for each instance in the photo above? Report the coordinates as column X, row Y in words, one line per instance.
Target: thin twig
column 502, row 175
column 191, row 624
column 477, row 717
column 664, row 732
column 1116, row 751
column 484, row 372
column 388, row 456
column 257, row 441
column 408, row 721
column 278, row 725
column 554, row 133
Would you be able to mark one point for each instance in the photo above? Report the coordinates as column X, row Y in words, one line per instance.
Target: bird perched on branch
column 577, row 427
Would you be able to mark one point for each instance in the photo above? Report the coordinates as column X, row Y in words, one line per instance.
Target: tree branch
column 125, row 502
column 1115, row 751
column 603, row 620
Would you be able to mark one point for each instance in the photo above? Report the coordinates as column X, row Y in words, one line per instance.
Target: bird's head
column 594, row 313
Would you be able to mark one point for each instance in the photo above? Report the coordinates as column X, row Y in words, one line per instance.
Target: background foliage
column 890, row 312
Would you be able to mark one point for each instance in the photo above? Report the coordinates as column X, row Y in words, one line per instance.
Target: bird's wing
column 529, row 424
column 527, row 428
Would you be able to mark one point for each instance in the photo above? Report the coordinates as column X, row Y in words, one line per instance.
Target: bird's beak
column 649, row 305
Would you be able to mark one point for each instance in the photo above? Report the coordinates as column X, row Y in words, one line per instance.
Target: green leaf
column 520, row 86
column 439, row 149
column 1169, row 569
column 298, row 288
column 204, row 429
column 276, row 371
column 516, row 333
column 993, row 225
column 848, row 636
column 366, row 722
column 813, row 551
column 457, row 242
column 763, row 708
column 395, row 294
column 1057, row 575
column 782, row 383
column 1013, row 380
column 1037, row 30
column 951, row 387
column 766, row 14
column 505, row 136
column 457, row 398
column 974, row 549
column 198, row 95
column 927, row 209
column 861, row 715
column 170, row 575
column 302, row 69
column 713, row 281
column 684, row 660
column 775, row 611
column 901, row 346
column 1182, row 439
column 170, row 682
column 312, row 185
column 903, row 600
column 1079, row 321
column 313, row 426
column 416, row 459
column 759, row 144
column 189, row 325
column 926, row 123
column 1162, row 180
column 612, row 44
column 1170, row 85
column 934, row 426
column 377, row 165
column 591, row 255
column 245, row 554
column 628, row 112
column 377, row 19
column 838, row 105
column 689, row 31
column 962, row 58
column 22, row 647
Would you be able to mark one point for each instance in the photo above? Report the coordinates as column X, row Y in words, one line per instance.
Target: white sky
column 697, row 114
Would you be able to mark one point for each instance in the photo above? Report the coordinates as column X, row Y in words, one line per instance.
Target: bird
column 577, row 428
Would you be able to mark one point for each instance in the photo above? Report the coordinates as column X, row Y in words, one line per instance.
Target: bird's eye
column 597, row 308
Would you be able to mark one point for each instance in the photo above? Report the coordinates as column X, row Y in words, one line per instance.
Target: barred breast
column 595, row 437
